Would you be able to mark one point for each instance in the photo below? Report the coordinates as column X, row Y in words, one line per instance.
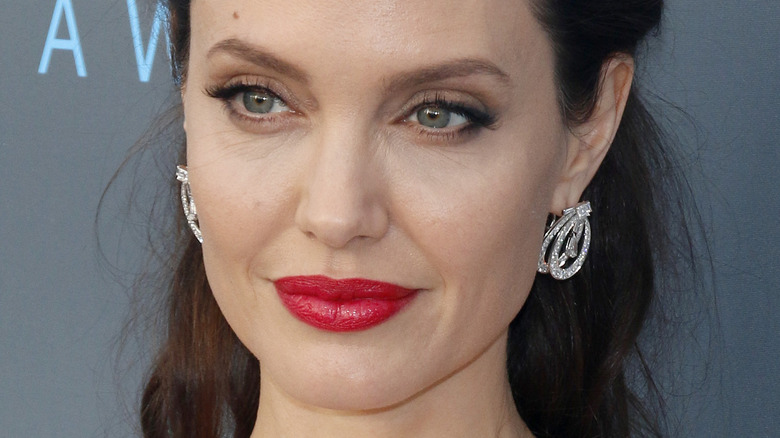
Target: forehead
column 377, row 32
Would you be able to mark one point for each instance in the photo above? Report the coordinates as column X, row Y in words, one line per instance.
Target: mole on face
column 235, row 15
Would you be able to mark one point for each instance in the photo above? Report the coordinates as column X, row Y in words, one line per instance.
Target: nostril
column 342, row 191
column 337, row 221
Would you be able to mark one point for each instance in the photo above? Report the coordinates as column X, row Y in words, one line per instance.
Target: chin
column 363, row 399
column 335, row 391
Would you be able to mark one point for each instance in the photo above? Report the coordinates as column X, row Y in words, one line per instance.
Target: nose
column 342, row 195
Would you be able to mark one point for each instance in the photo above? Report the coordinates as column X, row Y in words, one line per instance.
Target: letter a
column 145, row 61
column 72, row 43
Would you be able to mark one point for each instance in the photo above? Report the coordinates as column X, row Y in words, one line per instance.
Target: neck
column 473, row 401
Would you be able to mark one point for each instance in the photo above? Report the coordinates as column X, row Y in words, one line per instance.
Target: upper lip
column 345, row 289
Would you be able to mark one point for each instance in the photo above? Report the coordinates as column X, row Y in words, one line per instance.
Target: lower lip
column 342, row 305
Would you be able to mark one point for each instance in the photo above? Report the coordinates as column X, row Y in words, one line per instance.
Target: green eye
column 259, row 102
column 436, row 117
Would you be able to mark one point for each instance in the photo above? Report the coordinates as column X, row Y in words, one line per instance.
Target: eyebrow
column 450, row 69
column 438, row 72
column 258, row 56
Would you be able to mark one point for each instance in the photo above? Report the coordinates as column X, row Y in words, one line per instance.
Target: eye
column 254, row 105
column 248, row 100
column 438, row 117
column 261, row 102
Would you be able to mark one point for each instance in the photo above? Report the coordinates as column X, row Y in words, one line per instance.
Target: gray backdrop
column 64, row 132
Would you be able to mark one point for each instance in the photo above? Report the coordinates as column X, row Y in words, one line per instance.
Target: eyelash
column 476, row 119
column 228, row 94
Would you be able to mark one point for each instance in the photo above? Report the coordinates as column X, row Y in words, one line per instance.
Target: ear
column 588, row 142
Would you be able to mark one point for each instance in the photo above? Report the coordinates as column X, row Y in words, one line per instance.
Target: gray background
column 63, row 136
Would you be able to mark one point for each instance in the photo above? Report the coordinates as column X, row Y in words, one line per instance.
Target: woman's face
column 413, row 143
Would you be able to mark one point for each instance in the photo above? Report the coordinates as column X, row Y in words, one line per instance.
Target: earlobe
column 589, row 142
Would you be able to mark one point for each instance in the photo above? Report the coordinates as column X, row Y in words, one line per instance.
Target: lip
column 342, row 305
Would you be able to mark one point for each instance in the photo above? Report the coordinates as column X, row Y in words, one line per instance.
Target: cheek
column 495, row 246
column 245, row 211
column 483, row 232
column 242, row 201
column 242, row 186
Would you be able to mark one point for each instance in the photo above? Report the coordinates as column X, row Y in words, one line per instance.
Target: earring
column 569, row 229
column 187, row 203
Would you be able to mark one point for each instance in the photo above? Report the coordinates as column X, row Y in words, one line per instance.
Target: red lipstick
column 343, row 305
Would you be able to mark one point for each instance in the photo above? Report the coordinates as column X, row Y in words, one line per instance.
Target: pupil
column 434, row 117
column 257, row 102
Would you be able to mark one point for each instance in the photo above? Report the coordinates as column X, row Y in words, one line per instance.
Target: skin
column 344, row 182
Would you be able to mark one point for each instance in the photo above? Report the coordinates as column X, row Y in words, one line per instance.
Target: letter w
column 145, row 61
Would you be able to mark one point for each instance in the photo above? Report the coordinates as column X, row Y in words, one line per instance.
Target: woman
column 373, row 182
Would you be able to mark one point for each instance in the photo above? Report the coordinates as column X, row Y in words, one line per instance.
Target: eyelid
column 476, row 112
column 248, row 82
column 230, row 89
column 478, row 116
column 229, row 94
column 466, row 118
column 277, row 104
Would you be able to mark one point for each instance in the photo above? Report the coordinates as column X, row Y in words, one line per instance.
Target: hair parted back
column 574, row 364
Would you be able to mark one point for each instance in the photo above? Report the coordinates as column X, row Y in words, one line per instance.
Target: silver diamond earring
column 560, row 261
column 187, row 203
